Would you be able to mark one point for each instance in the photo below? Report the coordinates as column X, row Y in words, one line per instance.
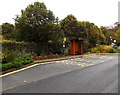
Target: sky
column 99, row 12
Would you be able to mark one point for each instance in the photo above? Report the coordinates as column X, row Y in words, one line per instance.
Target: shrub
column 66, row 51
column 107, row 48
column 86, row 50
column 14, row 59
column 94, row 50
column 112, row 50
column 104, row 49
column 7, row 66
column 18, row 62
column 10, row 55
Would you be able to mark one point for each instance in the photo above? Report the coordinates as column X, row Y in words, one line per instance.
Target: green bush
column 112, row 51
column 7, row 66
column 10, row 55
column 86, row 50
column 66, row 51
column 118, row 50
column 18, row 62
column 14, row 59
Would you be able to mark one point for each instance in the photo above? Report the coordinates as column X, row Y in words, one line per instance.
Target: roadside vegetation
column 14, row 59
column 39, row 34
column 104, row 49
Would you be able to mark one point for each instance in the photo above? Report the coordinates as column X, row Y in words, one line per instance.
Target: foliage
column 11, row 55
column 18, row 46
column 113, row 32
column 16, row 63
column 39, row 25
column 8, row 56
column 14, row 59
column 86, row 50
column 92, row 34
column 70, row 27
column 8, row 31
column 66, row 51
column 104, row 49
column 117, row 36
column 108, row 32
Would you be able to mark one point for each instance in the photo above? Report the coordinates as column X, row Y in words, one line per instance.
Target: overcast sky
column 100, row 12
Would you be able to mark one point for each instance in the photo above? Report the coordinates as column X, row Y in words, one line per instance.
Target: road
column 90, row 74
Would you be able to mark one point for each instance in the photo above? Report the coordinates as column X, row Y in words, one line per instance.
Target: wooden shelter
column 76, row 46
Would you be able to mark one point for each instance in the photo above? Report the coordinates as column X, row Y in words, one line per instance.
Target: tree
column 117, row 36
column 92, row 34
column 37, row 24
column 70, row 27
column 109, row 32
column 7, row 31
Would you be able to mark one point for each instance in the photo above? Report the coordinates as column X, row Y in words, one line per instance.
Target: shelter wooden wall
column 76, row 47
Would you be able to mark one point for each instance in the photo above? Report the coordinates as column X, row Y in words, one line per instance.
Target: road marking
column 85, row 64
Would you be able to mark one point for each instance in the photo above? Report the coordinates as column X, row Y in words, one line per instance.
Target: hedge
column 18, row 46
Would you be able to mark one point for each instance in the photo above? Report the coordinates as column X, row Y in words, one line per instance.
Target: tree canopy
column 7, row 30
column 116, row 29
column 37, row 24
column 70, row 27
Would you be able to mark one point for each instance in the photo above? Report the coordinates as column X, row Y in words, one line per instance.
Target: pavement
column 91, row 73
